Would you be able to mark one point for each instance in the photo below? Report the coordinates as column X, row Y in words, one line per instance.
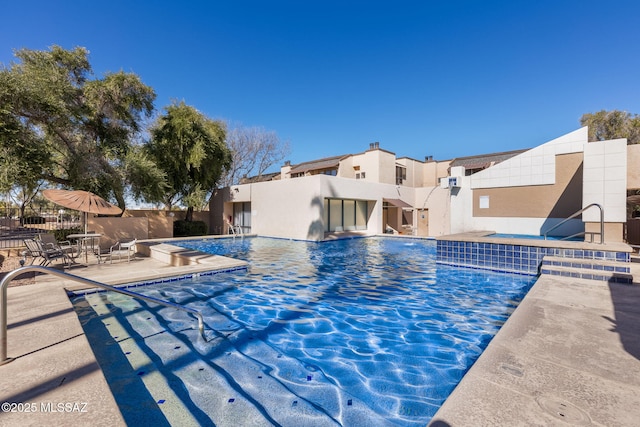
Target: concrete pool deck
column 570, row 353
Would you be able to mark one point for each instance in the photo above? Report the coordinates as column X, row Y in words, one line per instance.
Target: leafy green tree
column 604, row 125
column 191, row 151
column 59, row 125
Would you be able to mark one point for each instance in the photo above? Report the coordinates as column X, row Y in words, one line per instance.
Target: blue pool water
column 361, row 332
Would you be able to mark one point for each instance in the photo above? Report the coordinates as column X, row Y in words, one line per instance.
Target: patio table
column 84, row 241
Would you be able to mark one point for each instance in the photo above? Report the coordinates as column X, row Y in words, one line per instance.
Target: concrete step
column 601, row 270
column 589, row 264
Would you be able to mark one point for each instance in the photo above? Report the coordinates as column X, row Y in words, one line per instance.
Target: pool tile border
column 513, row 258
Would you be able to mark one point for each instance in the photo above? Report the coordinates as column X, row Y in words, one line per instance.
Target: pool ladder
column 4, row 284
column 236, row 230
column 582, row 233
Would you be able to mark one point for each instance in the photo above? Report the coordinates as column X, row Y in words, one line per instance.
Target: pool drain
column 564, row 411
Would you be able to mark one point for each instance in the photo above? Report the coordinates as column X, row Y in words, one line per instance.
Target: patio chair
column 118, row 249
column 35, row 249
column 49, row 242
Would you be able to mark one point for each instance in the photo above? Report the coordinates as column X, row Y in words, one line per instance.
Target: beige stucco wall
column 288, row 208
column 415, row 173
column 387, row 173
column 436, row 200
column 345, row 169
column 160, row 221
column 633, row 166
column 369, row 162
column 115, row 229
column 613, row 231
column 433, row 171
column 558, row 200
column 294, row 208
column 216, row 211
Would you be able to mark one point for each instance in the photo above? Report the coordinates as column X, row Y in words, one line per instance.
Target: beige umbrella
column 82, row 201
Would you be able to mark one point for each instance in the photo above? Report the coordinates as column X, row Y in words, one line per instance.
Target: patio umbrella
column 82, row 201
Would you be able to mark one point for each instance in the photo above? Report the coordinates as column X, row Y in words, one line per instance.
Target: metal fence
column 13, row 231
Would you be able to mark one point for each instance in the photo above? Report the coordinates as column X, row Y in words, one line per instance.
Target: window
column 360, row 175
column 242, row 216
column 335, row 215
column 401, row 175
column 345, row 215
column 484, row 202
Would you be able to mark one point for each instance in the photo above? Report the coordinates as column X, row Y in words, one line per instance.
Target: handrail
column 578, row 213
column 236, row 230
column 4, row 284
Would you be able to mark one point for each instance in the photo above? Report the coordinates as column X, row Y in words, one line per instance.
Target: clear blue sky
column 441, row 78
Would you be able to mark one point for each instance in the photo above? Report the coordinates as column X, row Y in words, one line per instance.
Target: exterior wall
column 436, row 200
column 378, row 165
column 160, row 222
column 533, row 167
column 216, row 210
column 461, row 204
column 415, row 173
column 540, row 187
column 633, row 166
column 558, row 200
column 115, row 229
column 605, row 180
column 345, row 169
column 369, row 162
column 290, row 208
column 294, row 208
column 433, row 171
column 613, row 231
column 387, row 162
column 285, row 171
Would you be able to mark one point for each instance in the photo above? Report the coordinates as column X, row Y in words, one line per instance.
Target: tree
column 604, row 125
column 253, row 151
column 23, row 196
column 58, row 125
column 190, row 150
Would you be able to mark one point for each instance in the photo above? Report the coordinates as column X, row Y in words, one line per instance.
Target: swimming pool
column 360, row 332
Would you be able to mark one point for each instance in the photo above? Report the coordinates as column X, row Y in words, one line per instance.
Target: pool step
column 590, row 269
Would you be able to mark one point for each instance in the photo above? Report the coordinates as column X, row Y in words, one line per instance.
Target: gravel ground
column 11, row 263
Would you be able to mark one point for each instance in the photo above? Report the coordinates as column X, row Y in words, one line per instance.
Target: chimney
column 287, row 162
column 376, row 145
column 371, row 146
